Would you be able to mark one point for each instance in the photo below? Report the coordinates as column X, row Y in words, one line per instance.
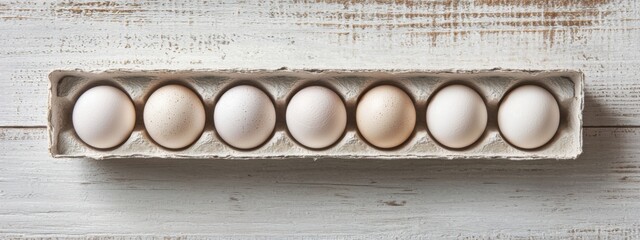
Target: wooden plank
column 597, row 195
column 599, row 37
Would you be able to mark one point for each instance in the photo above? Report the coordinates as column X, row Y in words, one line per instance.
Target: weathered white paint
column 595, row 195
column 599, row 37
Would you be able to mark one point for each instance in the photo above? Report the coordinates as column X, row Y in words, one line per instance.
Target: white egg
column 386, row 116
column 456, row 116
column 528, row 117
column 174, row 116
column 103, row 117
column 316, row 117
column 244, row 117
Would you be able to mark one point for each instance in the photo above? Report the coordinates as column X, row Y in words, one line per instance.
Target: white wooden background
column 595, row 196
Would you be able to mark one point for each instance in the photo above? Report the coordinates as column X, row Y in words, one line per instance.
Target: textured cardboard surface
column 567, row 86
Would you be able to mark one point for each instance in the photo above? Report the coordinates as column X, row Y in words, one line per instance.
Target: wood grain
column 601, row 38
column 595, row 196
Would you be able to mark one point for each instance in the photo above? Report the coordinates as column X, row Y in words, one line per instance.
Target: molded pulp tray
column 567, row 87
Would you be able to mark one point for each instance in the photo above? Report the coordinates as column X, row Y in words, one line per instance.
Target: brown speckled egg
column 174, row 116
column 386, row 116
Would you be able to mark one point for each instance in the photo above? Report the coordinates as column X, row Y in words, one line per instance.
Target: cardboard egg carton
column 566, row 86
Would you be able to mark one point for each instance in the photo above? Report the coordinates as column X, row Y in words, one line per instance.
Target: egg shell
column 174, row 116
column 528, row 117
column 385, row 116
column 103, row 117
column 244, row 117
column 316, row 117
column 456, row 116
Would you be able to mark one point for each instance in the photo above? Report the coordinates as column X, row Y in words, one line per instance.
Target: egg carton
column 280, row 85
